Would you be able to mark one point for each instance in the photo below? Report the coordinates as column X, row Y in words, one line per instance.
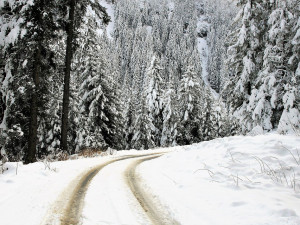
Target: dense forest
column 140, row 74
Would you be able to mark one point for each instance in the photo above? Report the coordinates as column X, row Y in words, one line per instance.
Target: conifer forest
column 141, row 74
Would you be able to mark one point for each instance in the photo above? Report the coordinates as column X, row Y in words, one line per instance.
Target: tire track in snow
column 68, row 207
column 153, row 209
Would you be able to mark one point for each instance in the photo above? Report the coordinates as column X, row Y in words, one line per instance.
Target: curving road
column 118, row 197
column 152, row 207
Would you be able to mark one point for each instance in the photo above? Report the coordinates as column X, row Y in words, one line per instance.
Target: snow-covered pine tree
column 129, row 117
column 245, row 58
column 142, row 134
column 170, row 117
column 27, row 67
column 154, row 98
column 209, row 120
column 133, row 93
column 73, row 22
column 273, row 102
column 2, row 103
column 2, row 77
column 50, row 123
column 190, row 101
column 100, row 118
column 147, row 127
column 220, row 15
column 290, row 118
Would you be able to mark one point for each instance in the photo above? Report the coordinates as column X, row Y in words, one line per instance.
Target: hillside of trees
column 68, row 83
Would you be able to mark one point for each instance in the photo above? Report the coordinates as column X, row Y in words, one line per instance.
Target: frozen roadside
column 234, row 180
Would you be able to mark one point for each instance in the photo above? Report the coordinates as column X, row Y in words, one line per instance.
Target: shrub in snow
column 3, row 160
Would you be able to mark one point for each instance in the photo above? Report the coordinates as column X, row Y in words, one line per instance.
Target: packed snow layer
column 28, row 190
column 109, row 199
column 235, row 180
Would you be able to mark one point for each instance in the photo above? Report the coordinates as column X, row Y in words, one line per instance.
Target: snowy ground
column 235, row 180
column 28, row 191
column 112, row 198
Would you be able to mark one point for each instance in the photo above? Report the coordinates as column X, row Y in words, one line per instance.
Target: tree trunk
column 66, row 96
column 2, row 78
column 30, row 155
column 33, row 125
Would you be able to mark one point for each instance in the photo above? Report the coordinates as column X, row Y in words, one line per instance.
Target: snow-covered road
column 108, row 194
column 42, row 193
column 156, row 212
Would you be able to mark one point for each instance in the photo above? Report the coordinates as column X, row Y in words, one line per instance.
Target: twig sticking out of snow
column 170, row 178
column 47, row 163
column 210, row 173
column 236, row 179
column 231, row 155
column 297, row 160
column 280, row 175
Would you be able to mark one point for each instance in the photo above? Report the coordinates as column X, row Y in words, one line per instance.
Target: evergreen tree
column 191, row 103
column 266, row 102
column 220, row 15
column 290, row 118
column 154, row 98
column 170, row 117
column 209, row 119
column 245, row 57
column 100, row 118
column 76, row 13
column 27, row 67
column 143, row 136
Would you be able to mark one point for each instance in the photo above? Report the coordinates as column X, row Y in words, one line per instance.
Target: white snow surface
column 234, row 180
column 110, row 11
column 229, row 181
column 109, row 199
column 203, row 50
column 25, row 197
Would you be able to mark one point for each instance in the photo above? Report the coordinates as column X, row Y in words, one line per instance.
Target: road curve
column 153, row 209
column 68, row 207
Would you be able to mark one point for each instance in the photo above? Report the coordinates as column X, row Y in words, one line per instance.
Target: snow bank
column 235, row 180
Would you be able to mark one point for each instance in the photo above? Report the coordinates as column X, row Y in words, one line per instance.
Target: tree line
column 66, row 85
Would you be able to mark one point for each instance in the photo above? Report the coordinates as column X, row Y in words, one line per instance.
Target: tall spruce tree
column 170, row 117
column 100, row 118
column 191, row 103
column 245, row 58
column 76, row 13
column 27, row 67
column 154, row 98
